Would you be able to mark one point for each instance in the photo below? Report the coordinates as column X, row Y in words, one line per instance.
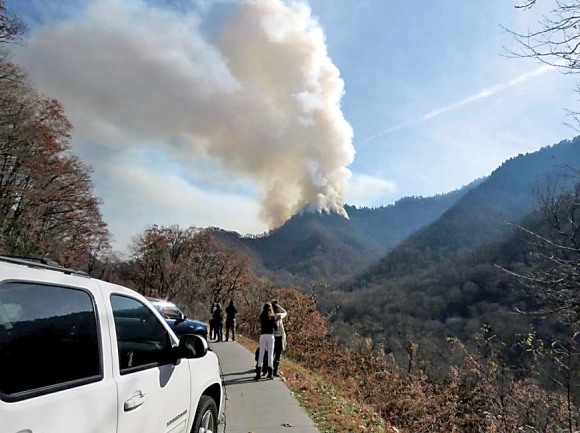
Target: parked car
column 177, row 319
column 82, row 355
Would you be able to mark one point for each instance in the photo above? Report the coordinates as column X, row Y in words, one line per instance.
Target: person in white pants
column 267, row 329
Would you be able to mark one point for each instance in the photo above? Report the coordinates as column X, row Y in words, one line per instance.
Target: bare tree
column 553, row 277
column 11, row 26
column 47, row 203
column 189, row 265
column 555, row 42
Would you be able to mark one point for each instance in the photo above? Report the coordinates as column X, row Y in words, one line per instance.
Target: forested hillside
column 446, row 281
column 452, row 298
column 312, row 246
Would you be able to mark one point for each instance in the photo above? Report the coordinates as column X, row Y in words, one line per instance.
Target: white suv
column 81, row 355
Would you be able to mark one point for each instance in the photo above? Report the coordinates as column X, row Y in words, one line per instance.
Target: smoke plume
column 262, row 98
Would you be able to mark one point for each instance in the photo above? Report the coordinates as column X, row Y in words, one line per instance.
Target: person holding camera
column 279, row 334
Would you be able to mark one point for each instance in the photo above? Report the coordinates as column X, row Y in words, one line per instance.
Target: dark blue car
column 177, row 320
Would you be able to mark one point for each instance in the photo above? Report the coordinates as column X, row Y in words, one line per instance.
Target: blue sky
column 432, row 102
column 402, row 60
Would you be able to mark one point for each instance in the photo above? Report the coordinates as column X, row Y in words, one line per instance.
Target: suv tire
column 206, row 416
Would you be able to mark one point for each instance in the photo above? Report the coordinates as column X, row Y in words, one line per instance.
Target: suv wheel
column 205, row 416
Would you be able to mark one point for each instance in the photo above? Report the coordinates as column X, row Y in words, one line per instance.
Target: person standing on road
column 212, row 327
column 218, row 318
column 231, row 311
column 267, row 329
column 279, row 335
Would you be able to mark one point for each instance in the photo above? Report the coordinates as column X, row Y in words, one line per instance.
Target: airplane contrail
column 482, row 94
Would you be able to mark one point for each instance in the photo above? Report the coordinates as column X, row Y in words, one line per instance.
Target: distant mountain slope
column 480, row 216
column 453, row 298
column 311, row 246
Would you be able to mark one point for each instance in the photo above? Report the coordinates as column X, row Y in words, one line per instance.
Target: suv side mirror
column 181, row 319
column 191, row 346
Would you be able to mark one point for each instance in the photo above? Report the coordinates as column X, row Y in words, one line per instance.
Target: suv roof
column 40, row 263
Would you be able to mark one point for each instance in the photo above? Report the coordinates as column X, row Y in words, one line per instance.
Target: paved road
column 259, row 407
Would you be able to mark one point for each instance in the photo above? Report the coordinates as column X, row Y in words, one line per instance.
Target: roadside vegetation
column 331, row 409
column 480, row 394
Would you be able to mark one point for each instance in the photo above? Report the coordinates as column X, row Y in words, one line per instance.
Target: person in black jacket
column 212, row 328
column 218, row 318
column 267, row 328
column 231, row 311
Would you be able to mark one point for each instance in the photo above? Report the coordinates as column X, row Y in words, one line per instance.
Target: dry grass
column 330, row 408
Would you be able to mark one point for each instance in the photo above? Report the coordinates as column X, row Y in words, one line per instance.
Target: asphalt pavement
column 259, row 407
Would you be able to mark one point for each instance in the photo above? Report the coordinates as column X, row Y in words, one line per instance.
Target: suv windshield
column 168, row 310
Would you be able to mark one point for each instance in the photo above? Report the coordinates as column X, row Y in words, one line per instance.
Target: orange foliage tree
column 47, row 204
column 303, row 322
column 189, row 266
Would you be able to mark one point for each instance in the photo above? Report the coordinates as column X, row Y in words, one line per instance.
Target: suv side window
column 48, row 339
column 142, row 340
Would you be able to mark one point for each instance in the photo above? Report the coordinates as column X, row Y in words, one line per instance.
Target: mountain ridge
column 480, row 216
column 312, row 246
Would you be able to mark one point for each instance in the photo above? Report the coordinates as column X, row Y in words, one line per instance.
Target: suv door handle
column 134, row 402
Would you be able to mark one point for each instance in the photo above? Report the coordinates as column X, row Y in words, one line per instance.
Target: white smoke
column 262, row 99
